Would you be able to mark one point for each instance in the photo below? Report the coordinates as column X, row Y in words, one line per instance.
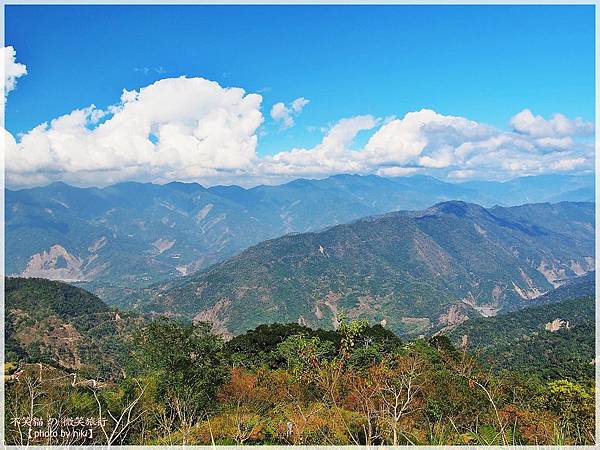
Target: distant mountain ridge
column 134, row 234
column 412, row 271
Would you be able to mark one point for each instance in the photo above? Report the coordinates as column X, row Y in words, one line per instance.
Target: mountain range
column 412, row 271
column 131, row 235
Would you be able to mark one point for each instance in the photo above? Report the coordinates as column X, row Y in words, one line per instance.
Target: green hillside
column 286, row 384
column 527, row 341
column 410, row 271
column 55, row 323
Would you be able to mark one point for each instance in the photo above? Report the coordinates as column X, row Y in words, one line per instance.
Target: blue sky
column 484, row 63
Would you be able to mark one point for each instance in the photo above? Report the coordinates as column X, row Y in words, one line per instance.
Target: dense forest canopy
column 552, row 341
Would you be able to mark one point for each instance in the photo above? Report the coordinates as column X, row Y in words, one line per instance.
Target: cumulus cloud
column 424, row 137
column 12, row 71
column 453, row 146
column 557, row 126
column 332, row 155
column 176, row 128
column 284, row 114
column 194, row 129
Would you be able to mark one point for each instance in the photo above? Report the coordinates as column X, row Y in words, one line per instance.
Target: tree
column 575, row 404
column 122, row 411
column 188, row 364
column 247, row 402
column 401, row 383
column 364, row 397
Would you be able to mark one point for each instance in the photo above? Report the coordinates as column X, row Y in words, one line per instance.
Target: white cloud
column 281, row 114
column 396, row 171
column 332, row 155
column 557, row 126
column 299, row 104
column 421, row 135
column 195, row 129
column 568, row 163
column 557, row 143
column 462, row 174
column 12, row 71
column 430, row 142
column 177, row 128
column 284, row 114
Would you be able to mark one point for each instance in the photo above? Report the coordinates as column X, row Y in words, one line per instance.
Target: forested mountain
column 134, row 234
column 55, row 323
column 411, row 271
column 552, row 341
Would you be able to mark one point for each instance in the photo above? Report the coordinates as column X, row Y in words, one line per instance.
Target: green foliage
column 366, row 355
column 41, row 297
column 443, row 344
column 299, row 350
column 260, row 347
column 350, row 331
column 186, row 359
column 55, row 323
column 184, row 391
column 519, row 340
column 574, row 402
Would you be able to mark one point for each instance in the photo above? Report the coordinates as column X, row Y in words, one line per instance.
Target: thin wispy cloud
column 160, row 70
